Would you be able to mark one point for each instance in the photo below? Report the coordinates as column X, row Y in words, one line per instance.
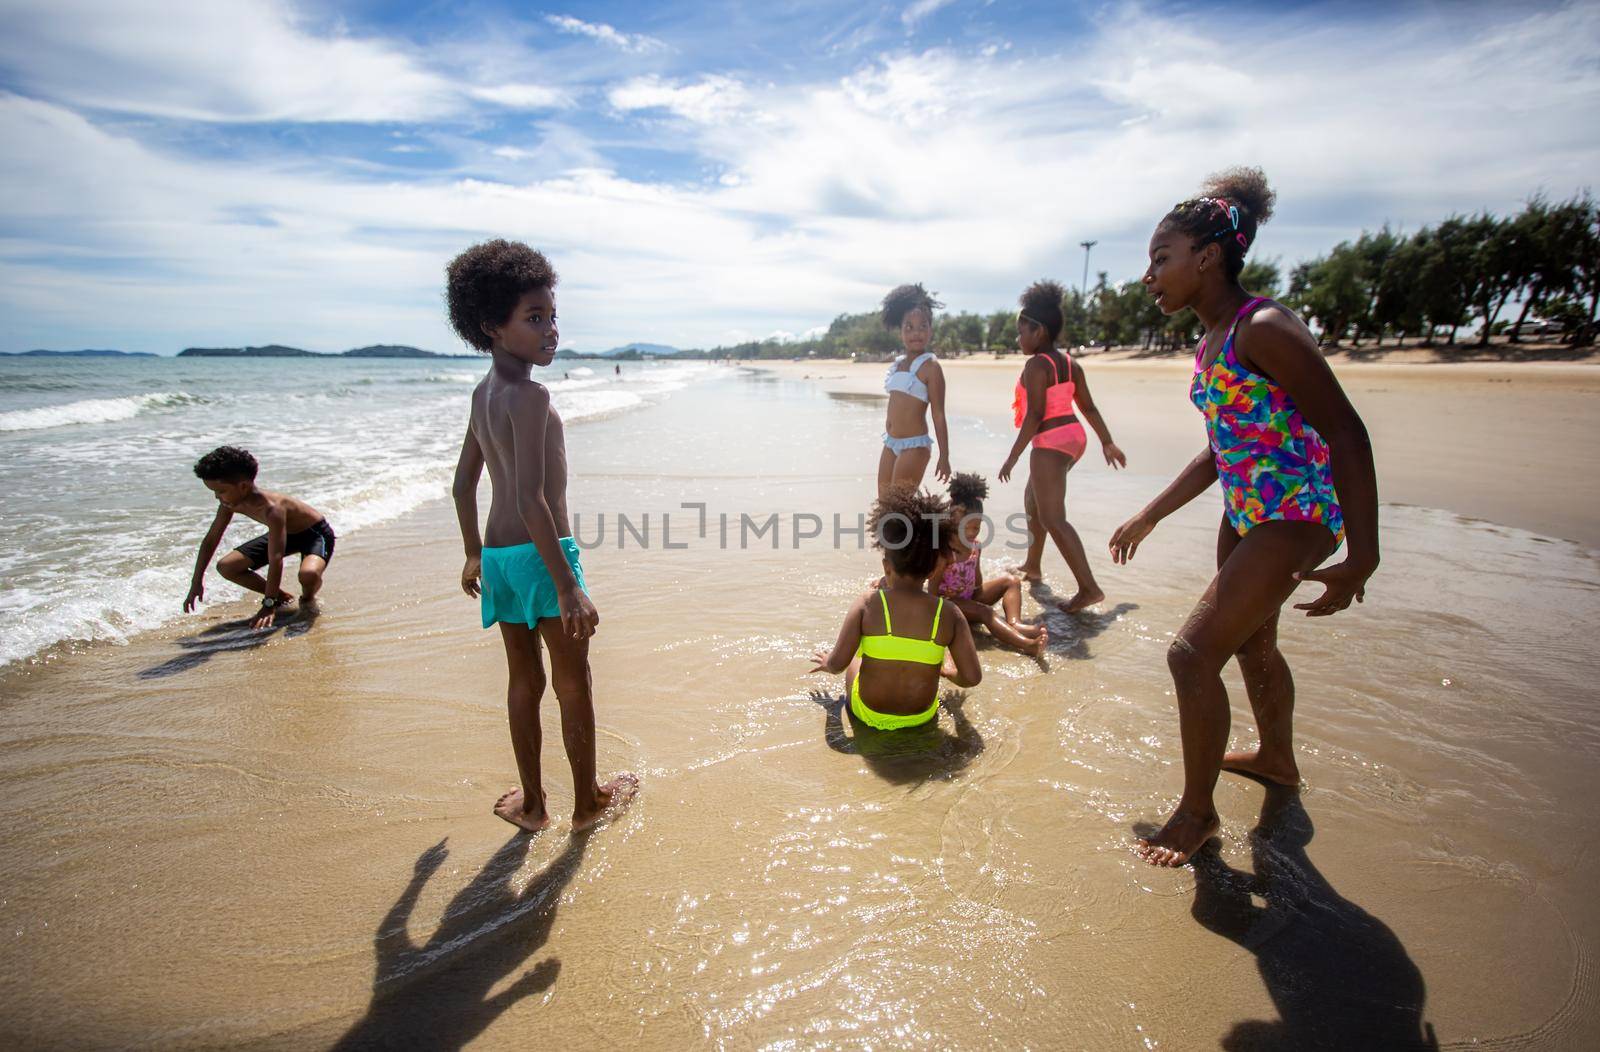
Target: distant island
column 277, row 350
column 81, row 354
column 630, row 352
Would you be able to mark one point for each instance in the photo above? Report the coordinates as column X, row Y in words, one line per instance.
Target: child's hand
column 197, row 594
column 942, row 470
column 265, row 617
column 471, row 574
column 1005, row 469
column 1342, row 583
column 1125, row 541
column 1114, row 455
column 579, row 618
column 820, row 659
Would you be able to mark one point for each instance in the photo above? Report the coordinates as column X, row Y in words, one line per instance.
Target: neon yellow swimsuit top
column 890, row 647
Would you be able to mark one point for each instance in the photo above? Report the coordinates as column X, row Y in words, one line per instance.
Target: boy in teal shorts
column 527, row 577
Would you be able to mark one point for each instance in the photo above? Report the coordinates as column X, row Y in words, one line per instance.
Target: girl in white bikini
column 915, row 384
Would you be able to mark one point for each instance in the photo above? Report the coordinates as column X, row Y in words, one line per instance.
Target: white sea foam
column 582, row 370
column 92, row 411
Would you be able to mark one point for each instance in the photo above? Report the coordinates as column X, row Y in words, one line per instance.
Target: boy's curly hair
column 1041, row 302
column 912, row 529
column 483, row 284
column 905, row 299
column 226, row 464
column 1230, row 210
column 967, row 491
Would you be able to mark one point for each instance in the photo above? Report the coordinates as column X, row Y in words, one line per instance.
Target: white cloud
column 228, row 60
column 636, row 43
column 921, row 9
column 709, row 100
column 972, row 173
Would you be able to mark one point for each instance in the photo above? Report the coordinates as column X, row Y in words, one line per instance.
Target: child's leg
column 910, row 466
column 569, row 668
column 311, row 570
column 1047, row 476
column 885, row 470
column 1003, row 633
column 1032, row 566
column 1270, row 686
column 1005, row 589
column 524, row 807
column 236, row 568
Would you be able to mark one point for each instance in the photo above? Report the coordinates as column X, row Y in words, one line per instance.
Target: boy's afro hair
column 226, row 464
column 1041, row 301
column 905, row 299
column 911, row 526
column 968, row 490
column 483, row 284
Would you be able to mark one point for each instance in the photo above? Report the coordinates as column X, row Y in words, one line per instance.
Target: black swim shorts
column 318, row 541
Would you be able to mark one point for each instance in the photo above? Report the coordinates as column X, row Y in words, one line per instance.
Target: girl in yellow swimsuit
column 897, row 641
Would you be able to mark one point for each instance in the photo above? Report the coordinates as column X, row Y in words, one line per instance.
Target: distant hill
column 274, row 350
column 82, row 354
column 640, row 350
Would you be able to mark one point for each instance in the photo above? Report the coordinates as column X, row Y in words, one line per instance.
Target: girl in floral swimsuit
column 958, row 576
column 1297, row 477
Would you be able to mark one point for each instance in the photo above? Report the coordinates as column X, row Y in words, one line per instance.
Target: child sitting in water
column 527, row 577
column 892, row 675
column 959, row 573
column 293, row 528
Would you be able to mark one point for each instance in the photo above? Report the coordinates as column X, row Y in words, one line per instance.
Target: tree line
column 1426, row 286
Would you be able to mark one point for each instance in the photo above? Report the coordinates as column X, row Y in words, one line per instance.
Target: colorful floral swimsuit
column 1272, row 464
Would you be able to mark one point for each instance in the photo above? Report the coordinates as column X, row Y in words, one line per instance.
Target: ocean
column 101, row 512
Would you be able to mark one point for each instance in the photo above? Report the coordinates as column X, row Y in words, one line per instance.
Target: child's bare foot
column 1025, row 629
column 1029, row 574
column 610, row 799
column 1085, row 598
column 1035, row 647
column 510, row 808
column 1268, row 768
column 1179, row 839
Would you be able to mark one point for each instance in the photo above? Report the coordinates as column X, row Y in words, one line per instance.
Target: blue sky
column 254, row 171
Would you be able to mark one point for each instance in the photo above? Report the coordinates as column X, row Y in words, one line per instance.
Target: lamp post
column 1083, row 290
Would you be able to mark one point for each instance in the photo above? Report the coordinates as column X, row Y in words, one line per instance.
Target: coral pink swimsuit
column 1060, row 429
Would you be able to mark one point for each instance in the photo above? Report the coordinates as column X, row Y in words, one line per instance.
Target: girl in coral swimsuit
column 1050, row 384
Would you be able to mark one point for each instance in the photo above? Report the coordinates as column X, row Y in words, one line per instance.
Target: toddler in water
column 891, row 674
column 959, row 573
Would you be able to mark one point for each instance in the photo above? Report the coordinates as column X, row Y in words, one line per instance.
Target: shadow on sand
column 1339, row 977
column 437, row 995
column 228, row 636
column 910, row 755
column 1070, row 633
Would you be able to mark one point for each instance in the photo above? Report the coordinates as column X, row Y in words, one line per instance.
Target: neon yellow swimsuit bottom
column 890, row 647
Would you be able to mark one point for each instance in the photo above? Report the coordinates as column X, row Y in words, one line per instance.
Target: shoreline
column 1513, row 443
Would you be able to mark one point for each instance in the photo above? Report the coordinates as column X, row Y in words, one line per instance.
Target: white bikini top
column 905, row 380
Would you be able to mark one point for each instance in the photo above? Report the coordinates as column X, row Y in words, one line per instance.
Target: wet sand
column 211, row 838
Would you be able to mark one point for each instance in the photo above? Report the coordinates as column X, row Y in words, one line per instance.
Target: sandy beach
column 211, row 837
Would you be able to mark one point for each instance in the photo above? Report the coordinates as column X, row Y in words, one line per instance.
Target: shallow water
column 210, row 837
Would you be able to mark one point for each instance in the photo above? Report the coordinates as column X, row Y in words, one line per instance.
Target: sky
column 278, row 171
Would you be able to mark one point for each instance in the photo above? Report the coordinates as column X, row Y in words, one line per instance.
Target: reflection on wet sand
column 909, row 755
column 1339, row 977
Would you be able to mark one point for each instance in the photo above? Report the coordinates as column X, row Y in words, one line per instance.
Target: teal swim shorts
column 516, row 587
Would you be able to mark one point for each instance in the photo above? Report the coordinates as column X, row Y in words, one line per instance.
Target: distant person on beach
column 293, row 528
column 527, row 578
column 915, row 384
column 891, row 675
column 1051, row 384
column 1296, row 470
column 958, row 576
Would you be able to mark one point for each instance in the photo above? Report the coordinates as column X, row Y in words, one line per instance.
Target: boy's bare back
column 505, row 421
column 260, row 505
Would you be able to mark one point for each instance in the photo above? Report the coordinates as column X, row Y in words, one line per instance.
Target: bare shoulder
column 1274, row 325
column 528, row 394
